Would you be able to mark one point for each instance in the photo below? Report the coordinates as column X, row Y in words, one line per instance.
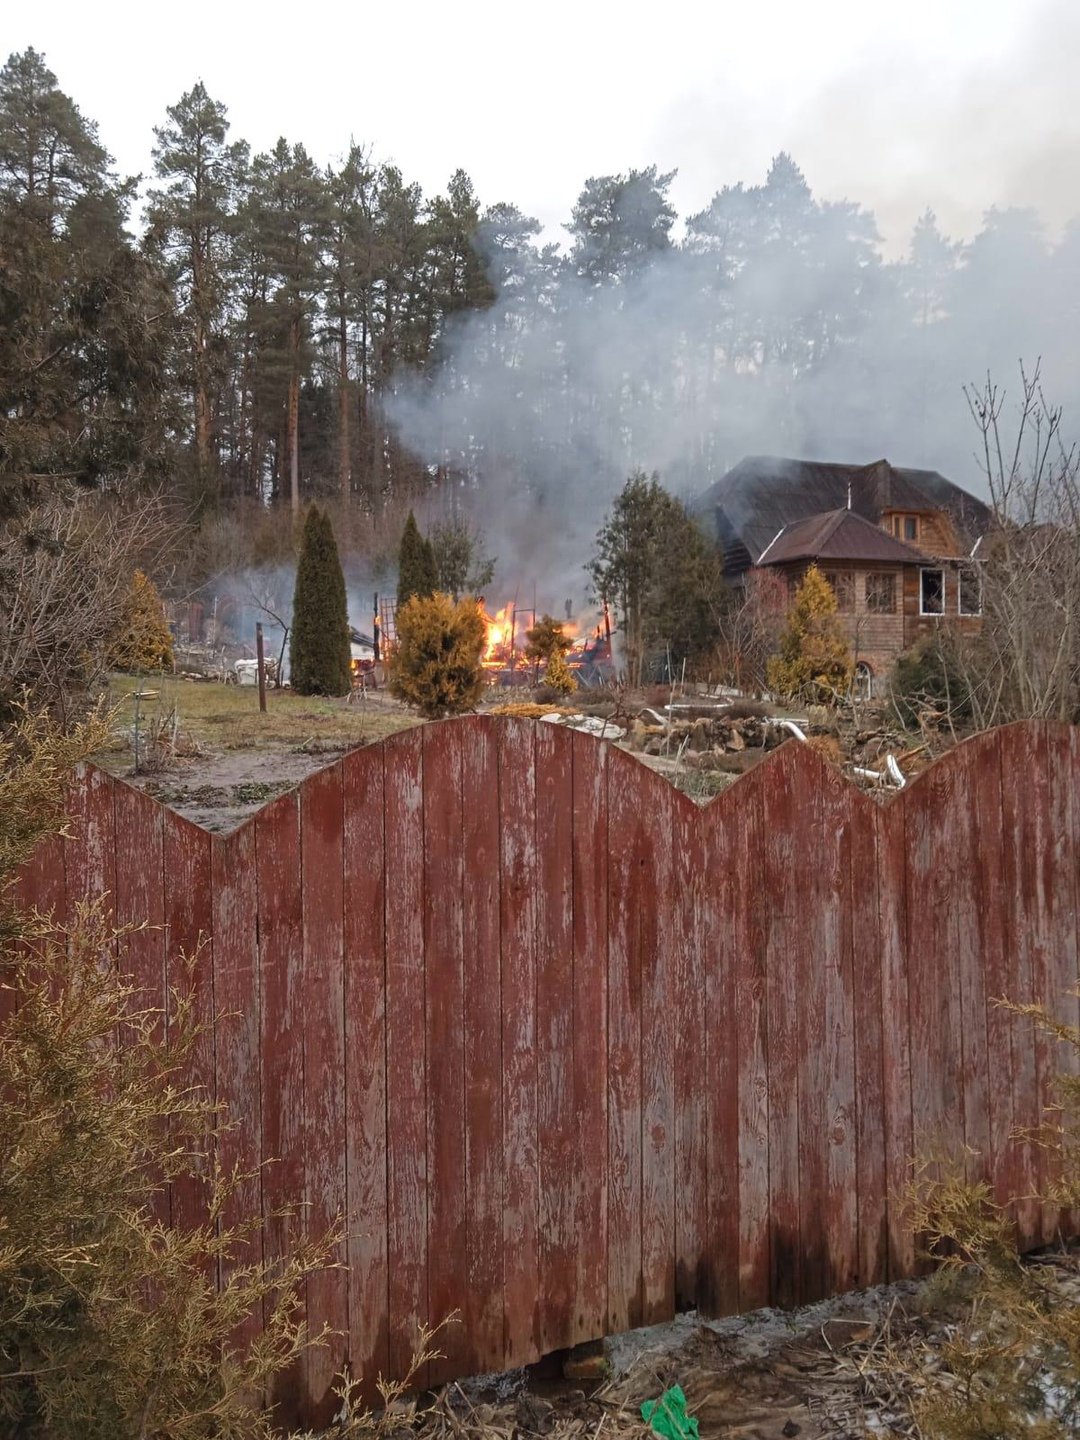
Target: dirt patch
column 219, row 792
column 221, row 758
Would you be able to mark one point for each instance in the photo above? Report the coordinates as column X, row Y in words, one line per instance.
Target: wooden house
column 899, row 547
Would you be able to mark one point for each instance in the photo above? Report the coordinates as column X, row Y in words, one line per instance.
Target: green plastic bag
column 668, row 1417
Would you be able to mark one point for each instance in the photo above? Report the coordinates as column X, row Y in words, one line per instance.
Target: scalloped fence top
column 570, row 1053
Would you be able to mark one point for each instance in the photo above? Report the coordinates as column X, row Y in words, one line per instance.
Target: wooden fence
column 570, row 1053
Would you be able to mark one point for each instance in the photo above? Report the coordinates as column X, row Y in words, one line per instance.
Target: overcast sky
column 955, row 104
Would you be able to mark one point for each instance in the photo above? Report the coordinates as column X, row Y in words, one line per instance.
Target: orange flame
column 500, row 635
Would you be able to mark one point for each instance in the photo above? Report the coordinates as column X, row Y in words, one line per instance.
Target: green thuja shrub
column 319, row 653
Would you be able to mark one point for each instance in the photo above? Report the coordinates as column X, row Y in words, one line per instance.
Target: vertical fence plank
column 406, row 1074
column 742, row 1049
column 1064, row 887
column 519, row 877
column 237, row 1036
column 483, row 1308
column 281, row 1021
column 1017, row 746
column 444, row 873
column 868, row 1019
column 934, row 978
column 365, row 1064
column 657, row 930
column 628, row 857
column 816, row 950
column 722, row 943
column 555, row 1033
column 323, row 910
column 785, row 936
column 896, row 1030
column 827, row 1124
column 188, row 911
column 139, row 897
column 692, row 941
column 90, row 861
column 984, row 784
column 1053, row 933
column 42, row 884
column 970, row 964
column 590, row 880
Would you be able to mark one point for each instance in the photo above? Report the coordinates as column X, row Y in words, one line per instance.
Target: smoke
column 778, row 323
column 240, row 599
column 805, row 345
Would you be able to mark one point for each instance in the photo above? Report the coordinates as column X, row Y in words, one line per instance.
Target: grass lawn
column 226, row 717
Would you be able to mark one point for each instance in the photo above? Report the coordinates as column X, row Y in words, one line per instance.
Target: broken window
column 931, row 592
column 970, row 590
column 881, row 592
column 843, row 585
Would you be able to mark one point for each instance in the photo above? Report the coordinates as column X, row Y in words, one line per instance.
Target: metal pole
column 262, row 664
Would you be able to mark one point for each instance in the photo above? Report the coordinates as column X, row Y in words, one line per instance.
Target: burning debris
column 510, row 659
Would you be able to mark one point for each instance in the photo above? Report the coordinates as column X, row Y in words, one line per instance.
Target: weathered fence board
column 564, row 1052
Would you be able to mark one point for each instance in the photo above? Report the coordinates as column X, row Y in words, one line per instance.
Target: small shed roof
column 839, row 535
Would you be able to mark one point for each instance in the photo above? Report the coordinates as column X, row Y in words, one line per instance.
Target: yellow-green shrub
column 112, row 1325
column 814, row 660
column 143, row 642
column 435, row 664
column 559, row 675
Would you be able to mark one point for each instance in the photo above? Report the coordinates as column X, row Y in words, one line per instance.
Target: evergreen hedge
column 319, row 653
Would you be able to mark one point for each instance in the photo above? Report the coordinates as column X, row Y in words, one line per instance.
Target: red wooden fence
column 570, row 1053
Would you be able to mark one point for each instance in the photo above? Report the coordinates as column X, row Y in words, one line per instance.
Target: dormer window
column 906, row 527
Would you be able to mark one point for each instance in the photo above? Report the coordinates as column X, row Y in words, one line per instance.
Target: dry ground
column 228, row 758
column 836, row 1370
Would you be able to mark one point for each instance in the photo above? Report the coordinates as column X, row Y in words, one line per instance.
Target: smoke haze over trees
column 278, row 332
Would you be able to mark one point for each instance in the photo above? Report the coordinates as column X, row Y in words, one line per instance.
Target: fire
column 500, row 635
column 507, row 630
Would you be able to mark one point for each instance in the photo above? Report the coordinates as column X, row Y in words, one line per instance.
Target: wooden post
column 262, row 664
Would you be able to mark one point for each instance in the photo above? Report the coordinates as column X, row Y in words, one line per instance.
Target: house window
column 931, row 592
column 843, row 585
column 911, row 527
column 970, row 583
column 881, row 593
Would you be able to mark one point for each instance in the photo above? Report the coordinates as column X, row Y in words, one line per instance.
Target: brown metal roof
column 764, row 493
column 839, row 535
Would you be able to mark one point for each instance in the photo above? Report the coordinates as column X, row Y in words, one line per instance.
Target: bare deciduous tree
column 1027, row 659
column 749, row 627
column 65, row 573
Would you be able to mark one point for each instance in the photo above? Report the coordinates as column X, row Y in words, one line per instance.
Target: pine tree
column 84, row 317
column 319, row 654
column 814, row 660
column 547, row 638
column 144, row 641
column 416, row 564
column 189, row 223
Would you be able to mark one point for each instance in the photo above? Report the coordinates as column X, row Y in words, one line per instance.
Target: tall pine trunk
column 292, row 425
column 344, row 473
